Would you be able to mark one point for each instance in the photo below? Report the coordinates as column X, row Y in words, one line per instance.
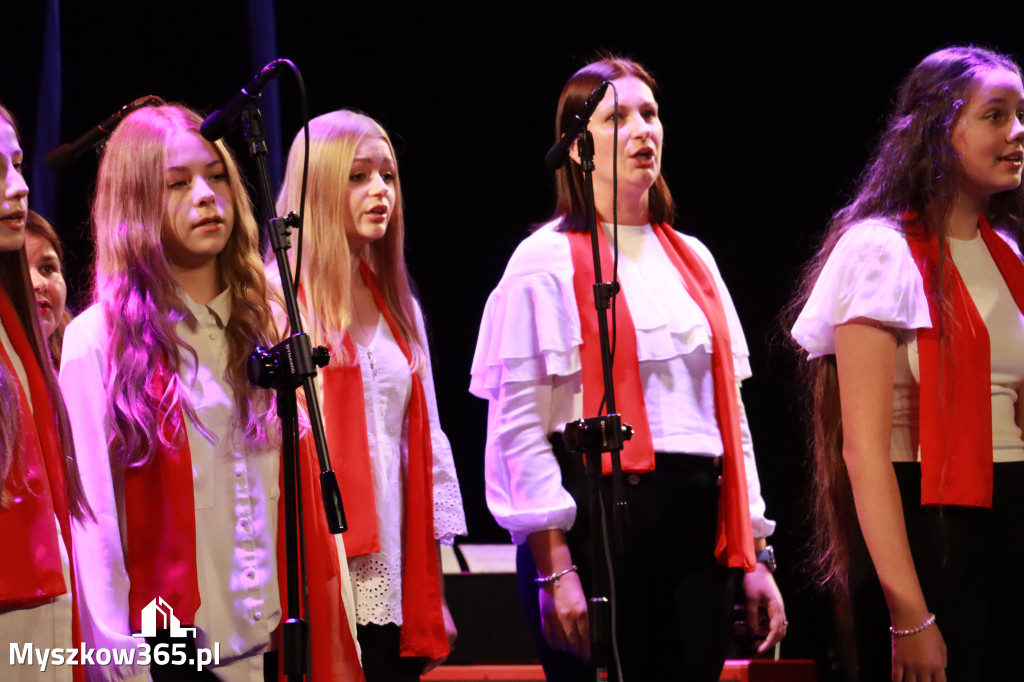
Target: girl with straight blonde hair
column 182, row 451
column 396, row 471
column 327, row 267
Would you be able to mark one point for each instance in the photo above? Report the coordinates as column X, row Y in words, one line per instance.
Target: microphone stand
column 594, row 436
column 290, row 364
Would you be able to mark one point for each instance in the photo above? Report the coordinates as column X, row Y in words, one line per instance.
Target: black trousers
column 673, row 600
column 966, row 559
column 381, row 662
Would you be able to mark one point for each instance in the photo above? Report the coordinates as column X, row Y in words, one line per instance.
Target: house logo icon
column 158, row 615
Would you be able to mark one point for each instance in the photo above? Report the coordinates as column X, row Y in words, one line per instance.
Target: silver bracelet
column 913, row 631
column 553, row 578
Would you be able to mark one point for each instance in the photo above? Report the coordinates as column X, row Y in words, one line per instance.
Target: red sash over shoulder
column 335, row 656
column 422, row 631
column 160, row 521
column 956, row 375
column 34, row 483
column 350, row 452
column 34, row 493
column 735, row 544
column 161, row 550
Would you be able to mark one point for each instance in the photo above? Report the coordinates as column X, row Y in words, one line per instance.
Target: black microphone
column 559, row 152
column 217, row 123
column 63, row 156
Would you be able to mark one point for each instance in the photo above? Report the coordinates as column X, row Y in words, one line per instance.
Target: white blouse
column 527, row 364
column 871, row 274
column 236, row 492
column 387, row 389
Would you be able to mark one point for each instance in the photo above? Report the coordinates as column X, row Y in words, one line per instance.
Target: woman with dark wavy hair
column 679, row 360
column 911, row 314
column 40, row 490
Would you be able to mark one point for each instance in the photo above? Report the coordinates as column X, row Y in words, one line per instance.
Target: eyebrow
column 185, row 168
column 999, row 99
column 640, row 106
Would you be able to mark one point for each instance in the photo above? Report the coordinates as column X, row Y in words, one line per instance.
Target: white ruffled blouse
column 871, row 274
column 527, row 364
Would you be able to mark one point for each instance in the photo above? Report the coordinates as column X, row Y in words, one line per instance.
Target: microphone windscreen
column 60, row 158
column 213, row 127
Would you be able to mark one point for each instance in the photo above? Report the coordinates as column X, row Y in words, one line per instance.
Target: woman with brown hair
column 911, row 314
column 40, row 490
column 679, row 359
column 45, row 263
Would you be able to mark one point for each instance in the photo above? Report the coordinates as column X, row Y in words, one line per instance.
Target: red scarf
column 160, row 521
column 955, row 423
column 735, row 543
column 161, row 550
column 327, row 616
column 36, row 493
column 422, row 632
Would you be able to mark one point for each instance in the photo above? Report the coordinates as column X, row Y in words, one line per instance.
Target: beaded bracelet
column 913, row 631
column 553, row 578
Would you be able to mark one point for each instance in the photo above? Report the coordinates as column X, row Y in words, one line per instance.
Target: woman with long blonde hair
column 40, row 489
column 182, row 450
column 396, row 471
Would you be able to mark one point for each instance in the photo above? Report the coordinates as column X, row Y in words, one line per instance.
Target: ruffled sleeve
column 527, row 364
column 870, row 273
column 530, row 327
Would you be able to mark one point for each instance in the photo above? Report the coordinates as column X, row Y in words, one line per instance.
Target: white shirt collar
column 219, row 309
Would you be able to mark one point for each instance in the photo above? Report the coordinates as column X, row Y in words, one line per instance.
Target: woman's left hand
column 450, row 631
column 763, row 592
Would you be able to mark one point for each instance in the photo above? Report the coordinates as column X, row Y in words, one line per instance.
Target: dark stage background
column 769, row 113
